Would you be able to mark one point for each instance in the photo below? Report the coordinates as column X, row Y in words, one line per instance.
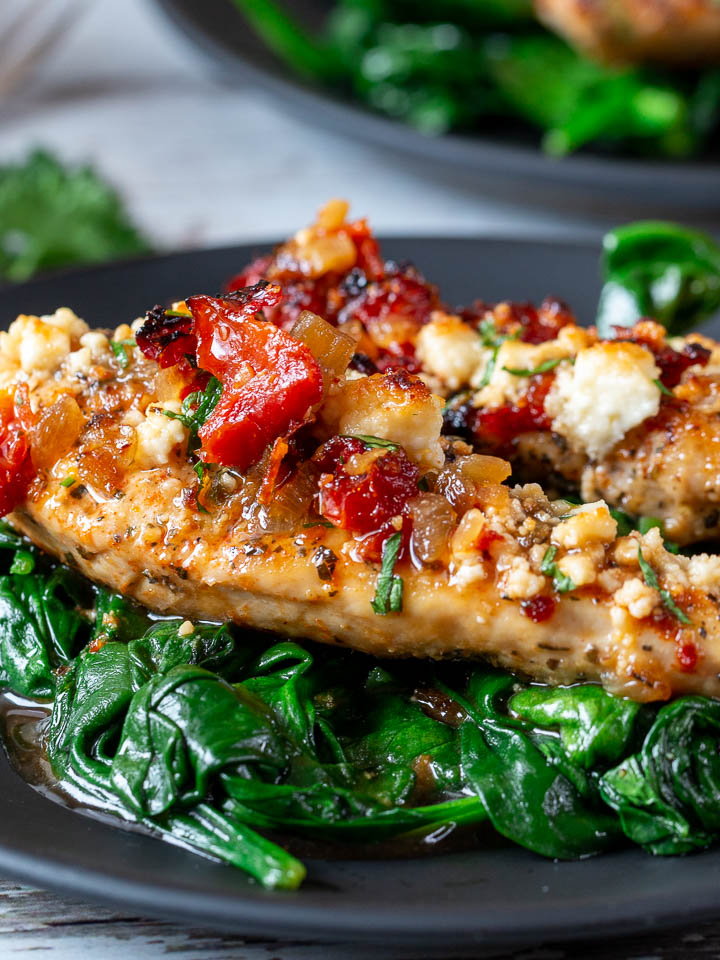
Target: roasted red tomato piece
column 166, row 337
column 362, row 489
column 16, row 470
column 270, row 380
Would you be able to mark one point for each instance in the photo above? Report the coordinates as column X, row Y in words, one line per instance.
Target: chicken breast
column 479, row 569
column 660, row 31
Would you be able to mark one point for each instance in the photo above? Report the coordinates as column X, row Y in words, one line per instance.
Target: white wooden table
column 128, row 94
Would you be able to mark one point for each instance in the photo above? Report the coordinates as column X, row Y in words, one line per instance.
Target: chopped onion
column 332, row 349
column 55, row 432
column 472, row 480
column 433, row 520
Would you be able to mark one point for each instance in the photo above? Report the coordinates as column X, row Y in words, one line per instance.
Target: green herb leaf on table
column 54, row 216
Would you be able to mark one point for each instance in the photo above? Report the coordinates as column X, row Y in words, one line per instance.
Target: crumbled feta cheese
column 504, row 387
column 518, row 582
column 394, row 407
column 637, row 597
column 608, row 391
column 589, row 523
column 186, row 629
column 464, row 574
column 450, row 350
column 579, row 567
column 158, row 435
column 97, row 343
column 704, row 571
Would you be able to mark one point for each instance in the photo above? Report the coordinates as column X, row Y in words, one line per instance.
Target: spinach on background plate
column 469, row 64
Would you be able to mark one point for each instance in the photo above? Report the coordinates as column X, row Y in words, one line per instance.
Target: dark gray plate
column 498, row 895
column 507, row 154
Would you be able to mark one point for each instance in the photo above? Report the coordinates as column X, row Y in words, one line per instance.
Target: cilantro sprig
column 389, row 587
column 650, row 578
column 561, row 582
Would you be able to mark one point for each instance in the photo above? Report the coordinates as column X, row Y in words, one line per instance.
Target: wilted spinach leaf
column 659, row 270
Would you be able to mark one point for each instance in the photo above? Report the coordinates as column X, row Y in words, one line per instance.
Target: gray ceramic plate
column 508, row 154
column 499, row 894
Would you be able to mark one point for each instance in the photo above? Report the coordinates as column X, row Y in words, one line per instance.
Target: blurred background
column 205, row 150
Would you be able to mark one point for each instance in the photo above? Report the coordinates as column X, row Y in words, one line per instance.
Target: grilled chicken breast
column 364, row 527
column 661, row 31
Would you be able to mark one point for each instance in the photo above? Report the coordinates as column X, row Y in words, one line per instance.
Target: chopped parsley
column 389, row 588
column 68, row 481
column 319, row 523
column 119, row 348
column 377, row 442
column 541, row 368
column 650, row 578
column 663, row 389
column 494, row 340
column 561, row 582
column 197, row 407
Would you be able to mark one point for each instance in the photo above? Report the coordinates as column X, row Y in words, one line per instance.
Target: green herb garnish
column 389, row 588
column 662, row 388
column 373, row 442
column 541, row 368
column 119, row 348
column 650, row 578
column 197, row 407
column 561, row 582
column 68, row 481
column 319, row 523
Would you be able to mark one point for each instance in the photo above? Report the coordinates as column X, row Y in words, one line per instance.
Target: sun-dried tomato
column 166, row 339
column 270, row 380
column 497, row 427
column 671, row 363
column 366, row 501
column 16, row 471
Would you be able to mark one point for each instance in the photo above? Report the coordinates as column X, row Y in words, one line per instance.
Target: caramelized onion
column 471, row 480
column 432, row 522
column 106, row 450
column 332, row 349
column 56, row 430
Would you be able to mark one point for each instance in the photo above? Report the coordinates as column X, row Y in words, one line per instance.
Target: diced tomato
column 16, row 470
column 270, row 380
column 364, row 502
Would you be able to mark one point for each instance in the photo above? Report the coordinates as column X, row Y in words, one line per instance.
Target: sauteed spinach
column 216, row 738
